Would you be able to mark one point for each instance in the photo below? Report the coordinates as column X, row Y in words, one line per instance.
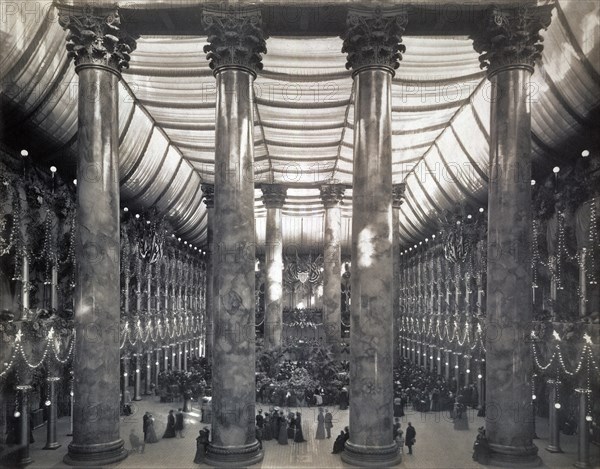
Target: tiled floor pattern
column 438, row 444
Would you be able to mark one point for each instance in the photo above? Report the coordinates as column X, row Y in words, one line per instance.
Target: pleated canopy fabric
column 304, row 117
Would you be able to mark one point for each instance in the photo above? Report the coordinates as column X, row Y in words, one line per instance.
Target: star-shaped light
column 51, row 333
column 533, row 335
column 18, row 336
column 587, row 338
column 555, row 335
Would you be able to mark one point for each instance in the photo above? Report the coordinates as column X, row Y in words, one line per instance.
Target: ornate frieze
column 96, row 37
column 332, row 194
column 398, row 194
column 273, row 195
column 208, row 192
column 508, row 37
column 235, row 38
column 374, row 37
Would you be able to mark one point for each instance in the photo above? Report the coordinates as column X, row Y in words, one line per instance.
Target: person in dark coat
column 328, row 422
column 275, row 422
column 170, row 430
column 340, row 441
column 179, row 423
column 299, row 436
column 260, row 420
column 291, row 429
column 282, row 438
column 201, row 444
column 481, row 448
column 320, row 435
column 411, row 434
column 145, row 420
column 343, row 399
column 267, row 428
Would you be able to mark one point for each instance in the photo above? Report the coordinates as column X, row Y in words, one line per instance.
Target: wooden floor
column 438, row 444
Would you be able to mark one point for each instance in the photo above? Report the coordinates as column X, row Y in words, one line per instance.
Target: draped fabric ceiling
column 304, row 113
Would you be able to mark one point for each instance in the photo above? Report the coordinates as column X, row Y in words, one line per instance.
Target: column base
column 237, row 456
column 582, row 465
column 54, row 445
column 371, row 456
column 514, row 456
column 554, row 449
column 96, row 454
column 138, row 398
column 24, row 462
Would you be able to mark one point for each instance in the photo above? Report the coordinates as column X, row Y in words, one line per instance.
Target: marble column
column 51, row 442
column 583, row 442
column 23, row 458
column 179, row 356
column 447, row 366
column 509, row 43
column 166, row 353
column 233, row 427
column 439, row 361
column 553, row 419
column 100, row 49
column 148, row 380
column 397, row 201
column 125, row 380
column 137, row 383
column 208, row 193
column 157, row 367
column 371, row 441
column 332, row 195
column 185, row 354
column 273, row 199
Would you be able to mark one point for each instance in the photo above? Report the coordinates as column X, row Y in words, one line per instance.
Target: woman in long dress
column 170, row 430
column 283, row 436
column 299, row 437
column 320, row 425
column 267, row 428
column 291, row 430
column 150, row 431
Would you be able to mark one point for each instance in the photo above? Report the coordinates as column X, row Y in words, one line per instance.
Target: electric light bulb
column 585, row 153
column 533, row 182
column 588, row 418
column 75, row 181
column 555, row 170
column 52, row 169
column 479, row 376
column 125, row 209
column 48, row 403
column 557, row 405
column 24, row 153
column 17, row 413
column 468, row 371
column 534, row 397
column 480, row 209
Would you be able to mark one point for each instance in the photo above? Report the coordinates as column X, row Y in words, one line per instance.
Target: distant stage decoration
column 302, row 271
column 303, row 318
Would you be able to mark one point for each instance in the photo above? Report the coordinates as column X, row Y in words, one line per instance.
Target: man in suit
column 260, row 420
column 328, row 422
column 146, row 419
column 179, row 423
column 411, row 433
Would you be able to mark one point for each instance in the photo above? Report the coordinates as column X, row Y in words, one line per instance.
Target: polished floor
column 438, row 444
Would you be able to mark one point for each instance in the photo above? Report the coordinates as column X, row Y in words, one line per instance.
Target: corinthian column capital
column 373, row 38
column 398, row 194
column 273, row 195
column 96, row 37
column 208, row 192
column 509, row 37
column 332, row 194
column 235, row 39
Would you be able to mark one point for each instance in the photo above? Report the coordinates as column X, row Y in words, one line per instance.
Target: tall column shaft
column 234, row 440
column 371, row 342
column 583, row 442
column 51, row 442
column 509, row 414
column 24, row 457
column 273, row 198
column 96, row 436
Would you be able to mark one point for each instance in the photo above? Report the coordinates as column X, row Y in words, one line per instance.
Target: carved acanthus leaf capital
column 398, row 194
column 208, row 192
column 332, row 194
column 96, row 37
column 374, row 37
column 235, row 38
column 508, row 37
column 273, row 195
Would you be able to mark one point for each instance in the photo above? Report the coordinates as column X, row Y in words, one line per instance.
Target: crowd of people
column 427, row 391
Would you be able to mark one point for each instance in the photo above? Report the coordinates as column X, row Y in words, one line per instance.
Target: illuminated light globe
column 125, row 374
column 557, row 405
column 17, row 414
column 555, row 170
column 24, row 153
column 468, row 371
column 588, row 418
column 479, row 376
column 48, row 403
column 534, row 397
column 585, row 153
column 72, row 393
column 533, row 182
